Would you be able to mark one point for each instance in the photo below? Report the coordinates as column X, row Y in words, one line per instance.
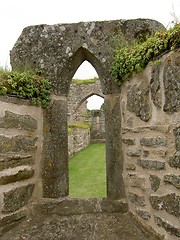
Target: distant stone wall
column 150, row 106
column 20, row 156
column 77, row 97
column 78, row 139
column 97, row 119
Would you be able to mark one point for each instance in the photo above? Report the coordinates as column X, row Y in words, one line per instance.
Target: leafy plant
column 132, row 59
column 27, row 85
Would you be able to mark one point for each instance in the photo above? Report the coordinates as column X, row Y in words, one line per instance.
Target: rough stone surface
column 172, row 179
column 19, row 175
column 15, row 161
column 138, row 101
column 92, row 226
column 174, row 161
column 134, row 152
column 78, row 139
column 171, row 229
column 153, row 141
column 137, row 181
column 55, row 150
column 17, row 198
column 128, row 141
column 26, row 122
column 150, row 164
column 114, row 153
column 17, row 144
column 78, row 206
column 171, row 83
column 10, row 221
column 144, row 214
column 176, row 132
column 130, row 167
column 138, row 200
column 169, row 203
column 156, row 92
column 155, row 182
column 60, row 49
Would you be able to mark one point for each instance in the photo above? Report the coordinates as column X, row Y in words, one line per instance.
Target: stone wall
column 78, row 139
column 143, row 166
column 150, row 106
column 20, row 156
column 97, row 126
column 78, row 94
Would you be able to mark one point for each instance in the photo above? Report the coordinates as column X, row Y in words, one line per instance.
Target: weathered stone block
column 172, row 179
column 138, row 101
column 13, row 120
column 150, row 164
column 153, row 141
column 169, row 203
column 174, row 161
column 144, row 214
column 129, row 141
column 134, row 152
column 156, row 92
column 155, row 182
column 130, row 166
column 176, row 132
column 14, row 176
column 170, row 228
column 17, row 143
column 137, row 181
column 15, row 161
column 17, row 198
column 138, row 200
column 171, row 83
column 80, row 206
column 9, row 221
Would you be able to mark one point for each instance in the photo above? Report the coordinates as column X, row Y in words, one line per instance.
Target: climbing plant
column 131, row 59
column 28, row 85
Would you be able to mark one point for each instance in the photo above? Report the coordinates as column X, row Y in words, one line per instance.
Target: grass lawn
column 87, row 172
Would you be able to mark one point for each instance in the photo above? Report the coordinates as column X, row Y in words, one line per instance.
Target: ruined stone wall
column 78, row 139
column 20, row 156
column 78, row 94
column 97, row 120
column 144, row 111
column 150, row 106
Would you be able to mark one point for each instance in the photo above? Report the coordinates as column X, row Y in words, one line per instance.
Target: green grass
column 87, row 172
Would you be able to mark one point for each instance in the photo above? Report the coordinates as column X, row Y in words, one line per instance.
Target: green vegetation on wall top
column 27, row 85
column 84, row 125
column 133, row 58
column 85, row 81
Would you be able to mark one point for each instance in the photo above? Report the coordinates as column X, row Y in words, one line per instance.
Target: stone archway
column 59, row 50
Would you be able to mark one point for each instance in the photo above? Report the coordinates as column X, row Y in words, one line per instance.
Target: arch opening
column 86, row 134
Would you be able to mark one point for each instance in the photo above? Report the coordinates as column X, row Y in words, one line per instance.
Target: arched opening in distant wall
column 86, row 134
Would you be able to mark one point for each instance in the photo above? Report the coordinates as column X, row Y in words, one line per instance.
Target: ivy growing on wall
column 28, row 85
column 132, row 59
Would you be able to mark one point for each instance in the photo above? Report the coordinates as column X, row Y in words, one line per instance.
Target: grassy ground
column 87, row 172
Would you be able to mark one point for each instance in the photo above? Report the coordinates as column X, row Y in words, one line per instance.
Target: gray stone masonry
column 143, row 111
